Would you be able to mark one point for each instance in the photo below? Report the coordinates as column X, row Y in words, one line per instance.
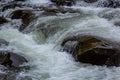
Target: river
column 42, row 51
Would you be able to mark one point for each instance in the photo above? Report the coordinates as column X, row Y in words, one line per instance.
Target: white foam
column 48, row 63
column 39, row 2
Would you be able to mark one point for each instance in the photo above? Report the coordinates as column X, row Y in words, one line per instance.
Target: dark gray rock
column 113, row 4
column 10, row 62
column 26, row 15
column 63, row 2
column 3, row 42
column 19, row 0
column 11, row 59
column 3, row 20
column 90, row 1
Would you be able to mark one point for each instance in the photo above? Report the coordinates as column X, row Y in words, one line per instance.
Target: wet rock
column 98, row 56
column 92, row 50
column 54, row 10
column 25, row 78
column 8, row 75
column 10, row 5
column 19, row 0
column 117, row 23
column 113, row 4
column 99, row 3
column 12, row 60
column 3, row 42
column 63, row 2
column 25, row 15
column 3, row 20
column 51, row 11
column 90, row 1
column 11, row 63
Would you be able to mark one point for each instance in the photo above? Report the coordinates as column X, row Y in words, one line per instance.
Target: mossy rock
column 89, row 49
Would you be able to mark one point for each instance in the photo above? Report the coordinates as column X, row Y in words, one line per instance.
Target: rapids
column 42, row 50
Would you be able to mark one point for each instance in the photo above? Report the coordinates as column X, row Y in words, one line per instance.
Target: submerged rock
column 90, row 1
column 25, row 15
column 113, row 4
column 10, row 5
column 11, row 59
column 88, row 49
column 3, row 20
column 63, row 2
column 3, row 42
column 19, row 0
column 11, row 63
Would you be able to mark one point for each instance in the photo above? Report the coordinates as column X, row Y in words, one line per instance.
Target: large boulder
column 11, row 59
column 96, row 51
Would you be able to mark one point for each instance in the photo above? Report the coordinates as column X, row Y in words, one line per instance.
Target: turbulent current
column 42, row 50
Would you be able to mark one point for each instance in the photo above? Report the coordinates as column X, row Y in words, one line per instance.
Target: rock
column 52, row 11
column 113, row 4
column 11, row 59
column 3, row 20
column 3, row 42
column 11, row 63
column 7, row 76
column 90, row 1
column 117, row 23
column 97, row 56
column 19, row 0
column 10, row 5
column 25, row 78
column 25, row 15
column 96, row 51
column 99, row 3
column 63, row 2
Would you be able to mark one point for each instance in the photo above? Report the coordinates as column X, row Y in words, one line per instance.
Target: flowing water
column 42, row 49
